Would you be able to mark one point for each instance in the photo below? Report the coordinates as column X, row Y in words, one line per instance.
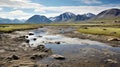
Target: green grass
column 105, row 20
column 109, row 31
column 13, row 27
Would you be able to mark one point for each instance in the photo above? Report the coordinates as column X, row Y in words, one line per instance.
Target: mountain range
column 68, row 17
column 64, row 17
column 7, row 21
column 71, row 17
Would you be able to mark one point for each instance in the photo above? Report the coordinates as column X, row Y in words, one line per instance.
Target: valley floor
column 15, row 52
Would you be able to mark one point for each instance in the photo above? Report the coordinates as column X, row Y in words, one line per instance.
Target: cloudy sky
column 23, row 9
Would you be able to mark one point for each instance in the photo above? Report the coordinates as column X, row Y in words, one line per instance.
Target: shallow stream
column 73, row 48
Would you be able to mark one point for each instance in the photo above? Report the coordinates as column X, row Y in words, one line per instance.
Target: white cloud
column 50, row 14
column 28, row 4
column 1, row 9
column 76, row 9
column 91, row 1
column 44, row 10
column 15, row 14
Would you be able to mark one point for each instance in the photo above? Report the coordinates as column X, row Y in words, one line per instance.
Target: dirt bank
column 15, row 52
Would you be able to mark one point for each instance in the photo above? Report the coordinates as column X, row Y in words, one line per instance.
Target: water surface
column 73, row 48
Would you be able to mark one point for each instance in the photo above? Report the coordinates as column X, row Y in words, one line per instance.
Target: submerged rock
column 40, row 36
column 58, row 42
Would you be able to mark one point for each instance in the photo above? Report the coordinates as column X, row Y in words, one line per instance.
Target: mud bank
column 15, row 52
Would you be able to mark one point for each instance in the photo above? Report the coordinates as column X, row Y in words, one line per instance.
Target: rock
column 26, row 36
column 57, row 42
column 31, row 33
column 2, row 50
column 86, row 61
column 38, row 56
column 27, row 41
column 104, row 29
column 39, row 36
column 34, row 39
column 13, row 57
column 102, row 22
column 39, row 48
column 113, row 33
column 58, row 57
column 113, row 39
column 110, row 61
column 85, row 27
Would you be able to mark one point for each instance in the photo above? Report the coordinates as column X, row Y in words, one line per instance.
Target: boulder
column 13, row 57
column 58, row 57
column 27, row 41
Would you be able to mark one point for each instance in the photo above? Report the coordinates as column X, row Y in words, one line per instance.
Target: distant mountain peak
column 89, row 14
column 69, row 13
column 63, row 17
column 110, row 13
column 38, row 19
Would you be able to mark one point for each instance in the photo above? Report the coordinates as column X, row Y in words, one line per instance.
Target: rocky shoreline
column 73, row 33
column 112, row 41
column 15, row 52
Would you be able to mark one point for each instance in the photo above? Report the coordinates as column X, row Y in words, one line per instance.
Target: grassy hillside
column 109, row 31
column 106, row 20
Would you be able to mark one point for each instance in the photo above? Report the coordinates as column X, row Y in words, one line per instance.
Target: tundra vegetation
column 87, row 28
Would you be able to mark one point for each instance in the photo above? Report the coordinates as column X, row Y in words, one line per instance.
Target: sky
column 23, row 9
